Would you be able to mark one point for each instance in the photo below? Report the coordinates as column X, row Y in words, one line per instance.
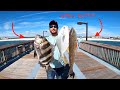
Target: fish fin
column 67, row 49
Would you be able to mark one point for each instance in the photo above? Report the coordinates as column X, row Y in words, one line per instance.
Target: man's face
column 53, row 29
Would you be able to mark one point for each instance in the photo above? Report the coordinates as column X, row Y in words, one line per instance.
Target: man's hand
column 71, row 73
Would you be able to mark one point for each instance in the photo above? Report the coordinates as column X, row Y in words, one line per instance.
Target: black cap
column 53, row 22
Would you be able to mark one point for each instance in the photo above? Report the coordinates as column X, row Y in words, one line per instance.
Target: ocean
column 114, row 43
column 2, row 43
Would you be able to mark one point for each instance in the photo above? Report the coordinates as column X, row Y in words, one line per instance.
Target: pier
column 87, row 65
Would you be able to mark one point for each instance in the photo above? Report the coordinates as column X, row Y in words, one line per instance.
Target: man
column 57, row 67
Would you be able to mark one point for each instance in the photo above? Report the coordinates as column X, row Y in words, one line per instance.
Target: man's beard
column 54, row 34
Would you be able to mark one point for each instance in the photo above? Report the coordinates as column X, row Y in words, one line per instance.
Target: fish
column 67, row 45
column 62, row 42
column 73, row 45
column 43, row 50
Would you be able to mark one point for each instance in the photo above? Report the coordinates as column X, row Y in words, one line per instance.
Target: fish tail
column 72, row 75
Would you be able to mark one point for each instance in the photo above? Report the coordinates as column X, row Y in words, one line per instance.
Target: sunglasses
column 51, row 26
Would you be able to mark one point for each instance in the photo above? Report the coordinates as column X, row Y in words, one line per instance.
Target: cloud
column 61, row 18
column 81, row 30
column 31, row 33
column 6, row 34
column 108, row 33
column 26, row 29
column 17, row 27
column 25, row 19
column 34, row 24
column 7, row 26
column 37, row 13
column 27, row 25
column 0, row 28
column 115, row 27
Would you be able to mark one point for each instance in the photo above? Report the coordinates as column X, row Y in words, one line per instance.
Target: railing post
column 3, row 55
column 9, row 52
column 105, row 52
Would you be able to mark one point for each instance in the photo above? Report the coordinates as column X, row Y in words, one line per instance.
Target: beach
column 19, row 39
column 100, row 39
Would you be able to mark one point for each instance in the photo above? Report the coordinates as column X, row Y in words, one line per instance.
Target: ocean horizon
column 113, row 43
column 103, row 41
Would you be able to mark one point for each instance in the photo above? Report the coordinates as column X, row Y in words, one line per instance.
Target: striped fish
column 43, row 50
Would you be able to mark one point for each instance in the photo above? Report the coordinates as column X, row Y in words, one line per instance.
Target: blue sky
column 30, row 23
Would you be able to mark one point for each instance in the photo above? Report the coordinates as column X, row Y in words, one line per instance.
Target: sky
column 30, row 23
